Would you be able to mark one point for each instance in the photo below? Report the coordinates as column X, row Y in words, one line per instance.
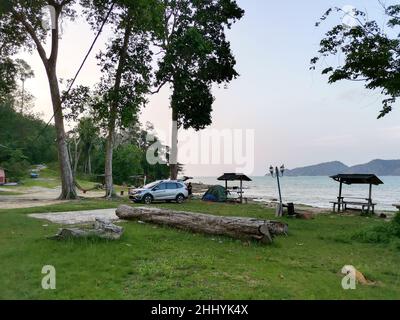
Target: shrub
column 385, row 233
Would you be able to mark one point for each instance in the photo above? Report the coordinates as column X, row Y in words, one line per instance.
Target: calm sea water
column 315, row 191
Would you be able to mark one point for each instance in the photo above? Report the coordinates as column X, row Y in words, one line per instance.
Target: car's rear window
column 172, row 185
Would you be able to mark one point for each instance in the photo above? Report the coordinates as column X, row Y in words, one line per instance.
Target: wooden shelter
column 343, row 202
column 235, row 177
column 2, row 176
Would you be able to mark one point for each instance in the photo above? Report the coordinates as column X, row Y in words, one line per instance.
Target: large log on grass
column 236, row 227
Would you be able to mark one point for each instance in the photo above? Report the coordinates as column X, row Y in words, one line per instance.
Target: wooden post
column 280, row 210
column 370, row 194
column 340, row 196
column 370, row 198
column 241, row 191
column 226, row 187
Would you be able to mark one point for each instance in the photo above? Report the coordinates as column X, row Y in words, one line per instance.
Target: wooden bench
column 343, row 205
column 363, row 205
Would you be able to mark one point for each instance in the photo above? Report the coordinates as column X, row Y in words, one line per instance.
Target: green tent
column 215, row 194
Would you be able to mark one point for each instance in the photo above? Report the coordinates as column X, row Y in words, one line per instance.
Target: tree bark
column 68, row 190
column 113, row 113
column 77, row 154
column 89, row 161
column 108, row 178
column 235, row 227
column 173, row 158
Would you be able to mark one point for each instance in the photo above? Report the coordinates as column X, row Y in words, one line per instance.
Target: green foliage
column 19, row 131
column 370, row 54
column 384, row 233
column 196, row 54
column 126, row 163
column 15, row 163
column 7, row 78
column 125, row 63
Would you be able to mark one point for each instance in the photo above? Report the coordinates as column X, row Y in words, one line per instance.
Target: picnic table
column 345, row 203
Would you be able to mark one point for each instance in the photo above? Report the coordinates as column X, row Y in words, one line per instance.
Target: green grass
column 9, row 193
column 152, row 262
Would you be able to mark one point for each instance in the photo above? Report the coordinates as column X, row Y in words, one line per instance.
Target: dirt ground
column 77, row 217
column 36, row 197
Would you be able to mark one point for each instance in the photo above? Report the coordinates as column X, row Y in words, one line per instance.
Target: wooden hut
column 235, row 177
column 366, row 204
column 2, row 176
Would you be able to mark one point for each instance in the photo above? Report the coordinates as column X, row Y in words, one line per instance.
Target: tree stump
column 101, row 228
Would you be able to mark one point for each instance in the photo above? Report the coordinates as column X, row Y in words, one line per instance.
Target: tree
column 21, row 27
column 126, row 163
column 89, row 136
column 17, row 148
column 369, row 54
column 126, row 73
column 8, row 81
column 24, row 72
column 15, row 162
column 195, row 54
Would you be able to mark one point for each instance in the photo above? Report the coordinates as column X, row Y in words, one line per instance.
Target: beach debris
column 235, row 227
column 101, row 228
column 360, row 278
column 305, row 215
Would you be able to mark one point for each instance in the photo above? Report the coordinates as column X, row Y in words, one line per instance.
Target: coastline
column 200, row 188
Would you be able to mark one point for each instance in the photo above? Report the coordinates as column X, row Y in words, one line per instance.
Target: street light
column 278, row 172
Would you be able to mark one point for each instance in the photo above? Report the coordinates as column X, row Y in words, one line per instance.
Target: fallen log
column 101, row 228
column 235, row 227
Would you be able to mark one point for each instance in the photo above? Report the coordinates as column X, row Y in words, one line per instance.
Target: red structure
column 2, row 176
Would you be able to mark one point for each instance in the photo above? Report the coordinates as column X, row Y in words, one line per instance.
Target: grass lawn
column 9, row 193
column 151, row 262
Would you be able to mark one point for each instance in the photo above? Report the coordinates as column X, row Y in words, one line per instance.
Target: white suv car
column 162, row 190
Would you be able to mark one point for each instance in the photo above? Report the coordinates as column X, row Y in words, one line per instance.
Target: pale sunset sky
column 298, row 119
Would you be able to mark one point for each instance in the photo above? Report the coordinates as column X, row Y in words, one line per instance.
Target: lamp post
column 278, row 172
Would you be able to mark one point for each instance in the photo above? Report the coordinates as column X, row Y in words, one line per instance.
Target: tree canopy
column 196, row 54
column 370, row 54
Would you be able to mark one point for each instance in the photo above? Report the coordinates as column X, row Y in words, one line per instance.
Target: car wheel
column 180, row 198
column 147, row 199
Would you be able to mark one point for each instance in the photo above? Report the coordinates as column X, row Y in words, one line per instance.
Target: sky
column 294, row 115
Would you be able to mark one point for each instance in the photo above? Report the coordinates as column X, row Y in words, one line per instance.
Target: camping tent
column 215, row 194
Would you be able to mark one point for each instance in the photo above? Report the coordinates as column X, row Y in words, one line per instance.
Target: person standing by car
column 189, row 188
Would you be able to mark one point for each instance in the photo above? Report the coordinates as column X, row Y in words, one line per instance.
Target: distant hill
column 322, row 169
column 378, row 167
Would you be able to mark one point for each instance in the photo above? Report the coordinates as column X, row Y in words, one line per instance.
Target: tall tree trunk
column 89, row 161
column 68, row 190
column 108, row 162
column 173, row 157
column 23, row 96
column 77, row 155
column 113, row 112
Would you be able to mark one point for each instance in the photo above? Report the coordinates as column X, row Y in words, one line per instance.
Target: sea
column 314, row 191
